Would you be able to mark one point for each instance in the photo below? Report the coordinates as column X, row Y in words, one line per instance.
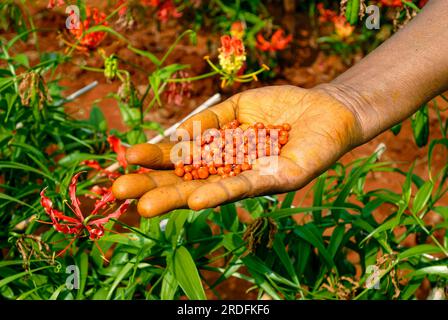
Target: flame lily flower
column 237, row 30
column 231, row 54
column 325, row 15
column 232, row 57
column 93, row 39
column 166, row 10
column 392, row 3
column 342, row 27
column 78, row 225
column 52, row 3
column 278, row 41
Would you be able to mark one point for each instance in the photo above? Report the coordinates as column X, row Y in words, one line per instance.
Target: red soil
column 303, row 66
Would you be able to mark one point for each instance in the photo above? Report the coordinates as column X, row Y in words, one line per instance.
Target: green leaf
column 287, row 202
column 175, row 225
column 422, row 197
column 352, row 11
column 306, row 234
column 354, row 176
column 432, row 270
column 420, row 126
column 22, row 59
column 229, row 217
column 364, row 225
column 24, row 167
column 318, row 196
column 97, row 119
column 396, row 129
column 153, row 125
column 57, row 292
column 412, row 5
column 282, row 213
column 169, row 287
column 101, row 28
column 24, row 295
column 410, row 288
column 432, row 145
column 187, row 275
column 16, row 276
column 82, row 262
column 335, row 241
column 280, row 250
column 253, row 206
column 101, row 294
column 9, row 198
column 442, row 210
column 128, row 239
column 124, row 271
column 146, row 54
column 418, row 250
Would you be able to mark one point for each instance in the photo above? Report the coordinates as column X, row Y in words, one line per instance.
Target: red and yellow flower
column 342, row 27
column 232, row 54
column 237, row 30
column 93, row 39
column 278, row 41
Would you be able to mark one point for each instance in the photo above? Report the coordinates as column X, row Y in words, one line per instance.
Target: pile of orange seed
column 230, row 150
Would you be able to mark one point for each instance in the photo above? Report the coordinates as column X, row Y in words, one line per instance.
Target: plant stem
column 202, row 76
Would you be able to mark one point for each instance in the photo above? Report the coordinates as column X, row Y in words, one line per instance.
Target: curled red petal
column 92, row 164
column 108, row 197
column 73, row 225
column 114, row 215
column 119, row 149
column 75, row 201
column 262, row 43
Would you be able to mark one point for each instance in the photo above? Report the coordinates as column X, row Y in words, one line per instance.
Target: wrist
column 363, row 110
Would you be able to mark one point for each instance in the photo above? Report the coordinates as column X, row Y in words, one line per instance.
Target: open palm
column 322, row 129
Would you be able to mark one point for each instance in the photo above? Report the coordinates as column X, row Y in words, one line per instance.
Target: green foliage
column 166, row 257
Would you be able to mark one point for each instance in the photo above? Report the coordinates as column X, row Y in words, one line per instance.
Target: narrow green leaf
column 187, row 275
column 169, row 287
column 317, row 242
column 280, row 250
column 229, row 217
column 146, row 54
column 287, row 202
column 422, row 197
column 124, row 271
column 14, row 277
column 419, row 250
column 432, row 270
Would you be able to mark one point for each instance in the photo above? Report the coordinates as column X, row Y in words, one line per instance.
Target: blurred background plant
column 342, row 237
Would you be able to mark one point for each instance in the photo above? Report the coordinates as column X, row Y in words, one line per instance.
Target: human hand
column 322, row 130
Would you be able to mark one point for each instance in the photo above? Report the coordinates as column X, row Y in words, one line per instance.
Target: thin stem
column 93, row 69
column 174, row 45
column 202, row 76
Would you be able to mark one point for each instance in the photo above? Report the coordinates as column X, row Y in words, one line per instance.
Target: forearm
column 406, row 71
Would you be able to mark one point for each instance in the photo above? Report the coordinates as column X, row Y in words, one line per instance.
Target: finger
column 213, row 117
column 260, row 181
column 166, row 198
column 154, row 156
column 134, row 185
